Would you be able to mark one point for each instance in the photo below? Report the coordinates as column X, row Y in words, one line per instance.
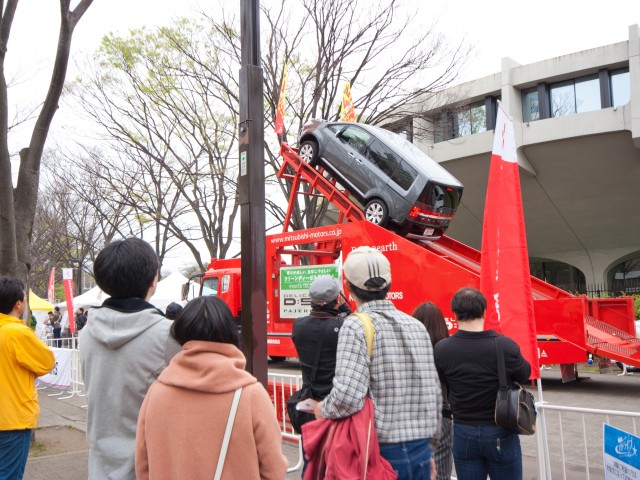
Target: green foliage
column 636, row 305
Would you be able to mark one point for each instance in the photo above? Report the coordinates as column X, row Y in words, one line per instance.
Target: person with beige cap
column 400, row 375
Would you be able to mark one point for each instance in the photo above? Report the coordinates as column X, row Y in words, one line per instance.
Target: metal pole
column 251, row 194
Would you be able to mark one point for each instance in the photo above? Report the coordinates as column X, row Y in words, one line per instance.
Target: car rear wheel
column 376, row 212
column 309, row 152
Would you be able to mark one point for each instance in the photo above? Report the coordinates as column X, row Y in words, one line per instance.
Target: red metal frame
column 568, row 326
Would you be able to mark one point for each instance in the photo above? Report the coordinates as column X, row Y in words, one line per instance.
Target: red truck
column 569, row 327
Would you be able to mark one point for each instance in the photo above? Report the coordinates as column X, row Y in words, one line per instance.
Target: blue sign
column 621, row 456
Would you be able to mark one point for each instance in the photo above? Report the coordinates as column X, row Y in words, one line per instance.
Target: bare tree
column 67, row 232
column 18, row 206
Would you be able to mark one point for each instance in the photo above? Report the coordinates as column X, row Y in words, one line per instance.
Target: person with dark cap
column 316, row 336
column 400, row 375
column 172, row 311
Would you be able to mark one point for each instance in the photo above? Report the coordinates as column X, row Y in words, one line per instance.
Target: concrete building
column 577, row 126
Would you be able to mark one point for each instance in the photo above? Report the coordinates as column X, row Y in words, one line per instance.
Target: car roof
column 409, row 152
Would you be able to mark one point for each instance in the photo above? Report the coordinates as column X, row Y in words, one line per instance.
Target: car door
column 343, row 151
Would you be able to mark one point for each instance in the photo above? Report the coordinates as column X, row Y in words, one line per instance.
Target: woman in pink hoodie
column 184, row 415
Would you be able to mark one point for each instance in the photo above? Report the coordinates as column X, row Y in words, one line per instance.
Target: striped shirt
column 400, row 377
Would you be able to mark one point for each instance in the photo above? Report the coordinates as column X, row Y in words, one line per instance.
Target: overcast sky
column 525, row 31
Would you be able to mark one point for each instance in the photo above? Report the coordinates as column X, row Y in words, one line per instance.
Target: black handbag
column 297, row 418
column 515, row 406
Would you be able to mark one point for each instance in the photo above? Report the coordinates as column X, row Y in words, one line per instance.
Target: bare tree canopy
column 166, row 102
column 18, row 206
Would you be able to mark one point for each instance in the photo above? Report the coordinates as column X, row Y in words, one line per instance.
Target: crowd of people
column 434, row 395
column 392, row 394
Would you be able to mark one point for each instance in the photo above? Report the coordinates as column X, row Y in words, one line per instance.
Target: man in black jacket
column 467, row 365
column 316, row 336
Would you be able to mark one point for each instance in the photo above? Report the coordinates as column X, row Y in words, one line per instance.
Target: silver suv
column 399, row 186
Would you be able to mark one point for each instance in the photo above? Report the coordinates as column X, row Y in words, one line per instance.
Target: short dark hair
column 172, row 311
column 431, row 317
column 468, row 304
column 369, row 295
column 126, row 268
column 11, row 291
column 205, row 318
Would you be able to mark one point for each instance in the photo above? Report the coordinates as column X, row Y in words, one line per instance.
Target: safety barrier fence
column 569, row 440
column 280, row 387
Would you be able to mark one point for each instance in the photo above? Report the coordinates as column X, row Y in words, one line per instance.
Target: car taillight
column 414, row 212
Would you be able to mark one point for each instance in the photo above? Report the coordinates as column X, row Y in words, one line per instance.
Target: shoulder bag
column 227, row 434
column 515, row 406
column 297, row 418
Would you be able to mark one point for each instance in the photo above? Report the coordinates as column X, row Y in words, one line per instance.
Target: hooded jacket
column 184, row 416
column 23, row 357
column 123, row 349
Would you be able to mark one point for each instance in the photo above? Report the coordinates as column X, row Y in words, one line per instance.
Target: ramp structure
column 569, row 327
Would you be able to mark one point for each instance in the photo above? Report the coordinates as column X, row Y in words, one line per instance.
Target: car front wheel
column 309, row 152
column 376, row 212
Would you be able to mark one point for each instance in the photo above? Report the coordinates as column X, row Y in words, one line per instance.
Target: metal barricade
column 577, row 446
column 281, row 386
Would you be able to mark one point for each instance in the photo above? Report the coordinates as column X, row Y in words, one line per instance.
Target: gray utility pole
column 251, row 191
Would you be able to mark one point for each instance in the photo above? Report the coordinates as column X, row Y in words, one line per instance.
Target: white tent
column 169, row 290
column 90, row 298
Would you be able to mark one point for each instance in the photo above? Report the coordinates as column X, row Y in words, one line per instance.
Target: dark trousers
column 479, row 450
column 410, row 460
column 14, row 449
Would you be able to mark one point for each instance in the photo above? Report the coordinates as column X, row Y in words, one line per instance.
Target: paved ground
column 61, row 450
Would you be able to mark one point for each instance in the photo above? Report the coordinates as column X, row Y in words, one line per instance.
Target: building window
column 575, row 96
column 620, row 87
column 467, row 120
column 471, row 119
column 560, row 274
column 588, row 94
column 625, row 277
column 403, row 128
column 530, row 105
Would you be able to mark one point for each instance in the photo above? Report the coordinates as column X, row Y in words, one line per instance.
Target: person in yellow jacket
column 23, row 357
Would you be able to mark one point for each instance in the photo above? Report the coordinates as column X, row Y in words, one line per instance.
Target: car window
column 335, row 128
column 382, row 157
column 356, row 138
column 404, row 175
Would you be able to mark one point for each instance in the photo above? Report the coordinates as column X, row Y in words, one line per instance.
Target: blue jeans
column 14, row 449
column 479, row 450
column 410, row 460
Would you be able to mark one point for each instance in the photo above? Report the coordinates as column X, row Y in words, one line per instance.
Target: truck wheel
column 309, row 152
column 376, row 212
column 277, row 358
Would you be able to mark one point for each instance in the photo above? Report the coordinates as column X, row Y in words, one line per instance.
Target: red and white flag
column 67, row 281
column 505, row 278
column 51, row 285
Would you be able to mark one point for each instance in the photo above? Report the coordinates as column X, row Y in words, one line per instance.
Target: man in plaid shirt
column 400, row 376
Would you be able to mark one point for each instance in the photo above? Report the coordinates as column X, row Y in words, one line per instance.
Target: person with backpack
column 400, row 374
column 81, row 319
